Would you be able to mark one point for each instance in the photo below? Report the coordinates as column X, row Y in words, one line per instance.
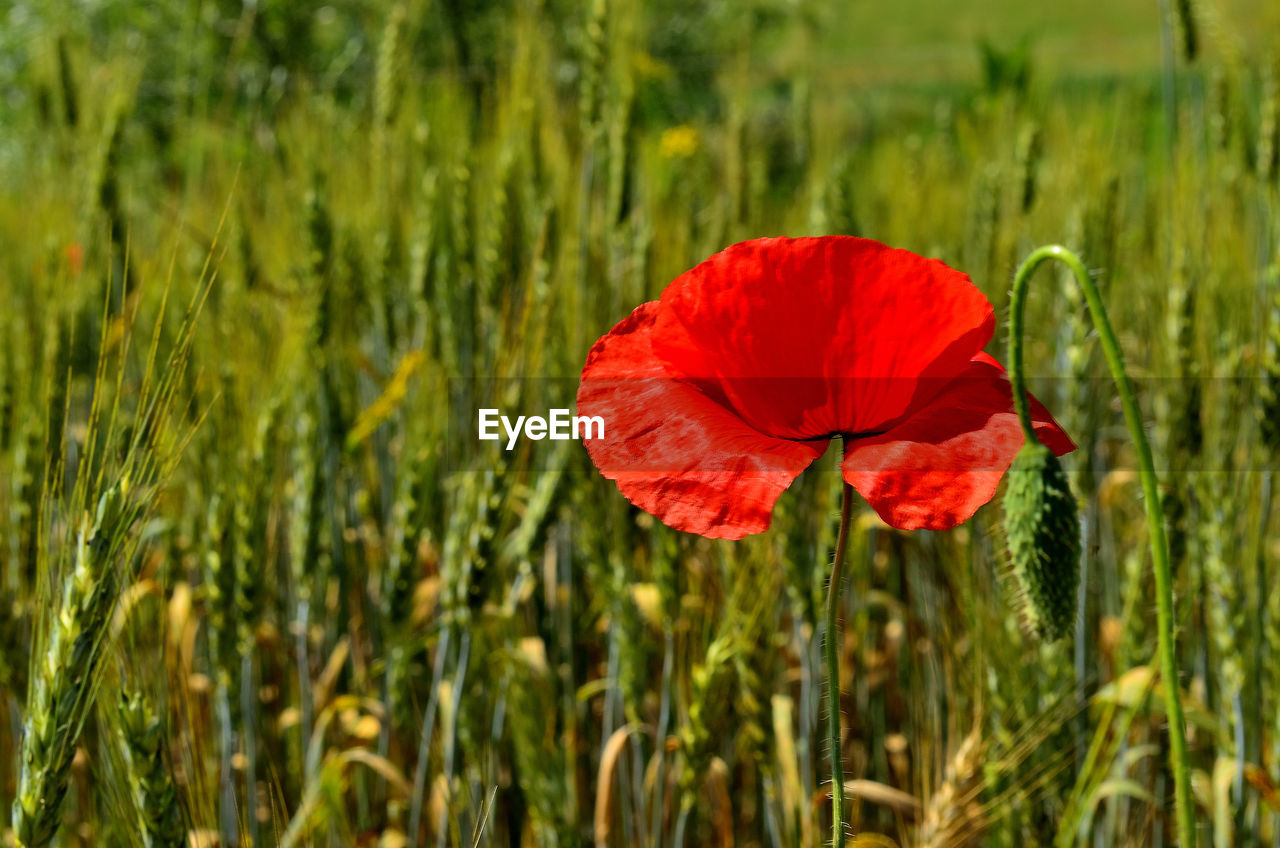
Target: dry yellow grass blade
column 721, row 805
column 872, row 840
column 603, row 819
column 387, row 403
column 872, row 792
column 324, row 685
column 131, row 597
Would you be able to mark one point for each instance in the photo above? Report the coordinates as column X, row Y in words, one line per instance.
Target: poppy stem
column 1151, row 501
column 833, row 671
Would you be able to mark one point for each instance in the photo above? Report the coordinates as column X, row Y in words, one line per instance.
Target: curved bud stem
column 832, row 647
column 1151, row 496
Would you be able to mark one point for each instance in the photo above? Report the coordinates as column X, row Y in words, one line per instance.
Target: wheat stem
column 424, row 742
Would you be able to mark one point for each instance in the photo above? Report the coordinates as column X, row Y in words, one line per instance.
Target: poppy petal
column 672, row 450
column 935, row 469
column 809, row 337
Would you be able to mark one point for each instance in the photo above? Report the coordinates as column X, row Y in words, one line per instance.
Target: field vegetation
column 262, row 262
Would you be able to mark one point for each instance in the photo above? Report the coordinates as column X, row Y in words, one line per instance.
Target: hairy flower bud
column 1044, row 540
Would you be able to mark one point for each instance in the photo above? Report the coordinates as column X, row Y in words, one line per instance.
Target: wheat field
column 261, row 262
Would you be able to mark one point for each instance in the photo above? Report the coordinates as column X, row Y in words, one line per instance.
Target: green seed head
column 111, row 507
column 1269, row 394
column 1044, row 540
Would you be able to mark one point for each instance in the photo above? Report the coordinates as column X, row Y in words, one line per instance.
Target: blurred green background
column 330, row 628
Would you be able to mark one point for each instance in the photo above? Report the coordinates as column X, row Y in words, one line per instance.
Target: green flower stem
column 833, row 672
column 1151, row 495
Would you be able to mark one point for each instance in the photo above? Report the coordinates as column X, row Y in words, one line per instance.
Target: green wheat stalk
column 150, row 780
column 66, row 668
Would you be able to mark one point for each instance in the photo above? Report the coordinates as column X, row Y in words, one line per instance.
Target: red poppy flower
column 75, row 258
column 718, row 395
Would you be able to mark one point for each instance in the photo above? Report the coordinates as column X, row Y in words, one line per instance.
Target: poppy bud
column 1044, row 540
